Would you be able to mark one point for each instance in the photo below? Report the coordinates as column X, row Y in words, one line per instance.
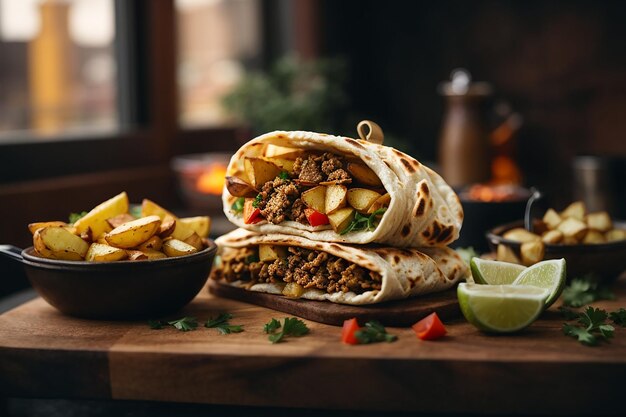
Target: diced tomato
column 251, row 214
column 429, row 328
column 347, row 333
column 315, row 218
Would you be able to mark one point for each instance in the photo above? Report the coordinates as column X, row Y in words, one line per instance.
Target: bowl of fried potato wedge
column 111, row 264
column 591, row 242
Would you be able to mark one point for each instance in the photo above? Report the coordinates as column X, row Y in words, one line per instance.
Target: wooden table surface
column 46, row 354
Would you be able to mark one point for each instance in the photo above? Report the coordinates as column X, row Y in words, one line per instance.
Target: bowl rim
column 494, row 236
column 36, row 261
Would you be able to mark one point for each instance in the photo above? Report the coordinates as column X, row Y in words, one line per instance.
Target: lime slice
column 501, row 308
column 494, row 272
column 549, row 275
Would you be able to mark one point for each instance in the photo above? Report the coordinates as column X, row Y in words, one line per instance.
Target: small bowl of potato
column 111, row 264
column 591, row 242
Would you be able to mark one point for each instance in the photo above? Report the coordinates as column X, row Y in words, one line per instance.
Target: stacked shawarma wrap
column 332, row 218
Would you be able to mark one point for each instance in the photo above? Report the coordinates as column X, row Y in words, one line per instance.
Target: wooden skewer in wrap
column 370, row 132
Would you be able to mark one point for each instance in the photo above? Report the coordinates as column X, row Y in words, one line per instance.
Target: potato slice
column 96, row 219
column 576, row 210
column 168, row 224
column 382, row 202
column 268, row 253
column 133, row 234
column 195, row 240
column 615, row 235
column 260, row 171
column 120, row 219
column 154, row 243
column 137, row 255
column 532, row 252
column 552, row 219
column 58, row 243
column 521, row 235
column 199, row 224
column 182, row 230
column 572, row 227
column 175, row 247
column 362, row 199
column 33, row 227
column 340, row 219
column 552, row 236
column 364, row 174
column 315, row 198
column 293, row 290
column 504, row 253
column 282, row 163
column 335, row 198
column 150, row 208
column 105, row 253
column 594, row 237
column 240, row 188
column 600, row 221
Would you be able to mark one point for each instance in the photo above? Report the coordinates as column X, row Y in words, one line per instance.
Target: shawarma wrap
column 298, row 267
column 337, row 189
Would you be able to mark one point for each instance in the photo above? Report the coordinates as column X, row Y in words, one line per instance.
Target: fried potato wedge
column 195, row 240
column 120, row 219
column 315, row 198
column 574, row 228
column 282, row 163
column 137, row 255
column 175, row 247
column 362, row 199
column 154, row 254
column 240, row 188
column 59, row 243
column 381, row 202
column 364, row 174
column 260, row 171
column 521, row 235
column 105, row 253
column 150, row 208
column 552, row 219
column 168, row 224
column 552, row 236
column 133, row 234
column 33, row 227
column 335, row 198
column 154, row 243
column 577, row 210
column 340, row 219
column 96, row 219
column 199, row 224
column 600, row 221
column 532, row 252
column 593, row 237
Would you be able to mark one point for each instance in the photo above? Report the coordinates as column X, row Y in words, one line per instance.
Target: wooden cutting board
column 401, row 313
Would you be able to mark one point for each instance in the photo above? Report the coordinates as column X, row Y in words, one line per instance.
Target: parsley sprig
column 184, row 324
column 583, row 291
column 618, row 317
column 74, row 217
column 257, row 201
column 291, row 327
column 284, row 175
column 362, row 222
column 221, row 324
column 237, row 206
column 592, row 327
column 374, row 332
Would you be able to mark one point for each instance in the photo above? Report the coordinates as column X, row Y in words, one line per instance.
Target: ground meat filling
column 280, row 198
column 309, row 268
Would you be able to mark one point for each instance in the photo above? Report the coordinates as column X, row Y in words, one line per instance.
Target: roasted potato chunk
column 521, row 235
column 532, row 252
column 335, row 198
column 154, row 243
column 195, row 240
column 293, row 290
column 577, row 210
column 239, row 188
column 120, row 219
column 341, row 218
column 574, row 228
column 600, row 221
column 552, row 237
column 260, row 171
column 315, row 198
column 105, row 253
column 33, row 227
column 175, row 247
column 199, row 224
column 552, row 219
column 381, row 202
column 133, row 234
column 594, row 237
column 364, row 174
column 96, row 219
column 615, row 235
column 505, row 254
column 362, row 199
column 58, row 243
column 168, row 224
column 272, row 252
column 150, row 208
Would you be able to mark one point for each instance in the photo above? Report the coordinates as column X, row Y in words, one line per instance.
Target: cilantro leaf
column 185, row 324
column 374, row 332
column 156, row 324
column 290, row 327
column 592, row 316
column 362, row 222
column 221, row 324
column 593, row 329
column 583, row 336
column 257, row 201
column 237, row 206
column 583, row 291
column 74, row 217
column 619, row 317
column 284, row 175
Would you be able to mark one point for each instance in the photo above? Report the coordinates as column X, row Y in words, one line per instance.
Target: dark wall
column 561, row 64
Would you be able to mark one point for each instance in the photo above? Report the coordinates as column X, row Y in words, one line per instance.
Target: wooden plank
column 401, row 313
column 468, row 371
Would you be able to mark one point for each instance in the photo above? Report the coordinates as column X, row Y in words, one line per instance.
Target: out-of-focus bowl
column 606, row 261
column 117, row 290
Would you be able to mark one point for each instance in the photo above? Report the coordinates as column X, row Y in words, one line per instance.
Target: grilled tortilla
column 339, row 273
column 423, row 210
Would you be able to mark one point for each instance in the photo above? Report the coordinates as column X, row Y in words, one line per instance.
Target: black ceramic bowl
column 117, row 290
column 605, row 260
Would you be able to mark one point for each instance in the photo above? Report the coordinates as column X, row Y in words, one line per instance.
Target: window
column 57, row 68
column 217, row 41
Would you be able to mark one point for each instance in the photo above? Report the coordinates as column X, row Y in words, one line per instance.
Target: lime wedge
column 549, row 275
column 501, row 308
column 494, row 272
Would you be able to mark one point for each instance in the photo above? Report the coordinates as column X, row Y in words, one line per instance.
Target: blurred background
column 99, row 96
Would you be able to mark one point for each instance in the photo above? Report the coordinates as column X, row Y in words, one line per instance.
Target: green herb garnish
column 237, row 206
column 185, row 324
column 135, row 211
column 221, row 324
column 619, row 317
column 284, row 175
column 592, row 327
column 361, row 222
column 374, row 332
column 291, row 327
column 74, row 217
column 251, row 259
column 156, row 324
column 583, row 291
column 257, row 201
